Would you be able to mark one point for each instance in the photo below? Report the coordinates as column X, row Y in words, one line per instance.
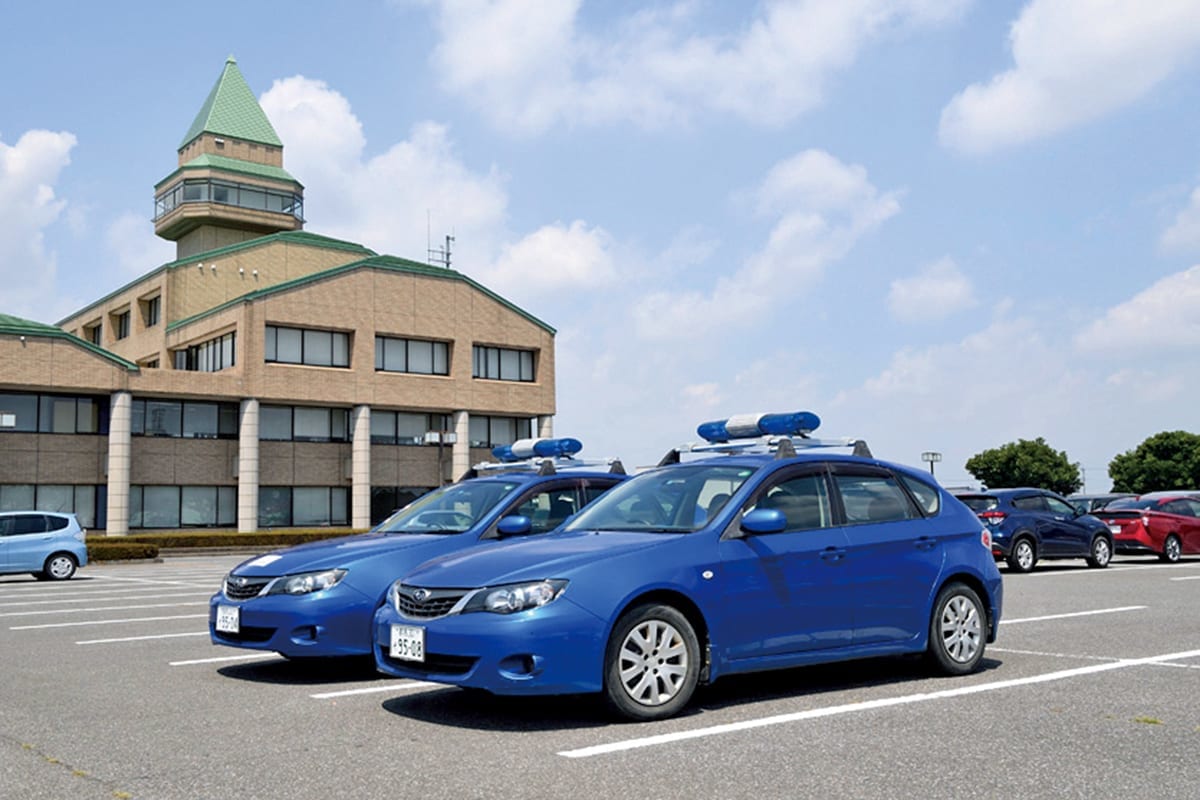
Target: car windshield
column 1132, row 502
column 671, row 500
column 451, row 509
column 979, row 502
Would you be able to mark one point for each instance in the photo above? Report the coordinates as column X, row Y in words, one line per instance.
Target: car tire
column 1023, row 556
column 651, row 664
column 1172, row 550
column 957, row 630
column 59, row 567
column 1101, row 553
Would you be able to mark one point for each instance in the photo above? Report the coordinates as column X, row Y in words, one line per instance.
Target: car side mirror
column 764, row 520
column 516, row 525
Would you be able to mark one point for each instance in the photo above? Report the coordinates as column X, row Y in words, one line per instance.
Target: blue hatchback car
column 745, row 554
column 49, row 545
column 1028, row 525
column 317, row 600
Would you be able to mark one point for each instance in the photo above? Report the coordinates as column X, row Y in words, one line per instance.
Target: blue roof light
column 748, row 426
column 531, row 448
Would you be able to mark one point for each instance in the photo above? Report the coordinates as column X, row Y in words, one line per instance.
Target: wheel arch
column 977, row 585
column 686, row 606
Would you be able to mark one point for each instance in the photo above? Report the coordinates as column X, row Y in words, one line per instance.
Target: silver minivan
column 48, row 544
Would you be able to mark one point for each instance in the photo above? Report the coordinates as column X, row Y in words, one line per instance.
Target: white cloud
column 132, row 241
column 1074, row 61
column 1162, row 319
column 527, row 64
column 937, row 291
column 390, row 201
column 28, row 206
column 822, row 208
column 552, row 259
column 1184, row 232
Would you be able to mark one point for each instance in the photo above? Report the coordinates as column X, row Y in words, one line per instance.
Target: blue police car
column 755, row 551
column 317, row 600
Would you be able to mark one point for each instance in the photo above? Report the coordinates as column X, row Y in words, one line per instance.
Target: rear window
column 979, row 502
column 1130, row 502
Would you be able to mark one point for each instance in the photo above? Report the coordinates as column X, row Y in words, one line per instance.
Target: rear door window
column 56, row 523
column 873, row 498
column 1029, row 503
column 28, row 523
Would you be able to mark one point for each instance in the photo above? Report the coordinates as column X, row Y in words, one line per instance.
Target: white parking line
column 246, row 657
column 143, row 638
column 1188, row 578
column 104, row 622
column 1050, row 655
column 1074, row 614
column 102, row 608
column 91, row 599
column 405, row 687
column 815, row 713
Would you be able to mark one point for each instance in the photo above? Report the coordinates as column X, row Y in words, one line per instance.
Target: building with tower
column 268, row 376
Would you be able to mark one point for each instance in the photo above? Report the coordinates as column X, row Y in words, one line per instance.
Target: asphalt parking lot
column 110, row 688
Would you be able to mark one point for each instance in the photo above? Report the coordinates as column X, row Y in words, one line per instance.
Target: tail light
column 986, row 538
column 1146, row 521
column 993, row 518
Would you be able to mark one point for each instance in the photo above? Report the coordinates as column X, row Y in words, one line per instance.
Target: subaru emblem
column 421, row 595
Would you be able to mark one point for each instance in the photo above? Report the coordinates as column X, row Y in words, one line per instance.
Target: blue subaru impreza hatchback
column 317, row 600
column 755, row 551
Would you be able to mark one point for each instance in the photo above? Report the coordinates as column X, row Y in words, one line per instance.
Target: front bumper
column 555, row 649
column 335, row 622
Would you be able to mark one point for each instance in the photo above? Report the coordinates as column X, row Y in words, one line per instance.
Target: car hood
column 342, row 552
column 553, row 556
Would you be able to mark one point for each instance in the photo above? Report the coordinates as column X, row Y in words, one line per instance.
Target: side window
column 548, row 509
column 1178, row 507
column 803, row 500
column 1194, row 506
column 873, row 498
column 28, row 523
column 1033, row 503
column 928, row 497
column 56, row 523
column 594, row 489
column 1057, row 506
column 6, row 522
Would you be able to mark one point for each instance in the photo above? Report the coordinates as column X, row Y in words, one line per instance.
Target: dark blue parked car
column 1028, row 525
column 750, row 557
column 317, row 600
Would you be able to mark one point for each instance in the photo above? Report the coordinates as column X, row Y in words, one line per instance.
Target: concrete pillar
column 360, row 470
column 120, row 420
column 545, row 427
column 247, row 467
column 461, row 461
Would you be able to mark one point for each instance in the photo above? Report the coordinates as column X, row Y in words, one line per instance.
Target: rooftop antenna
column 441, row 255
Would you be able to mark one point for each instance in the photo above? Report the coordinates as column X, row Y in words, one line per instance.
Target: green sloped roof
column 384, row 263
column 16, row 326
column 232, row 110
column 209, row 161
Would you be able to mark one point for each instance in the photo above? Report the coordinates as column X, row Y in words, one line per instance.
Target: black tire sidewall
column 1012, row 561
column 615, row 696
column 51, row 576
column 935, row 649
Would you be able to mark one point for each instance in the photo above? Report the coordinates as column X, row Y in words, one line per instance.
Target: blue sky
column 939, row 224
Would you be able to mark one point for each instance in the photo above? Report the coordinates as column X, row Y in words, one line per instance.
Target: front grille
column 240, row 588
column 417, row 603
column 434, row 664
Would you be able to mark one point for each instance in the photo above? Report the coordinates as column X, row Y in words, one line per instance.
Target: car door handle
column 926, row 543
column 833, row 554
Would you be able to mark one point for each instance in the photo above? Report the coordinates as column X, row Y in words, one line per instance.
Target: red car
column 1166, row 524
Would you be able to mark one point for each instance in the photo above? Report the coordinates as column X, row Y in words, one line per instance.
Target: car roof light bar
column 746, row 426
column 545, row 448
column 544, row 456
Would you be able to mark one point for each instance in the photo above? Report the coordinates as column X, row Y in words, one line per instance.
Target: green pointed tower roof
column 232, row 110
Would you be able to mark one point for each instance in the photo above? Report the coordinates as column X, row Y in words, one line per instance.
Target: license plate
column 229, row 619
column 1115, row 528
column 408, row 643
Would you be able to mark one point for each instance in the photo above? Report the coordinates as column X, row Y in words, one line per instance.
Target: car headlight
column 308, row 582
column 514, row 597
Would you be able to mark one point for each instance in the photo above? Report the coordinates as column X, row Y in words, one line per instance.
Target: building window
column 78, row 500
column 284, row 506
column 211, row 356
column 492, row 431
column 401, row 427
column 502, row 364
column 243, row 195
column 92, row 333
column 178, row 419
column 386, row 500
column 417, row 356
column 303, row 424
column 121, row 325
column 151, row 310
column 182, row 506
column 304, row 346
column 49, row 413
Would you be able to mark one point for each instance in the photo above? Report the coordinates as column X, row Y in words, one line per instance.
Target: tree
column 1026, row 463
column 1167, row 460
